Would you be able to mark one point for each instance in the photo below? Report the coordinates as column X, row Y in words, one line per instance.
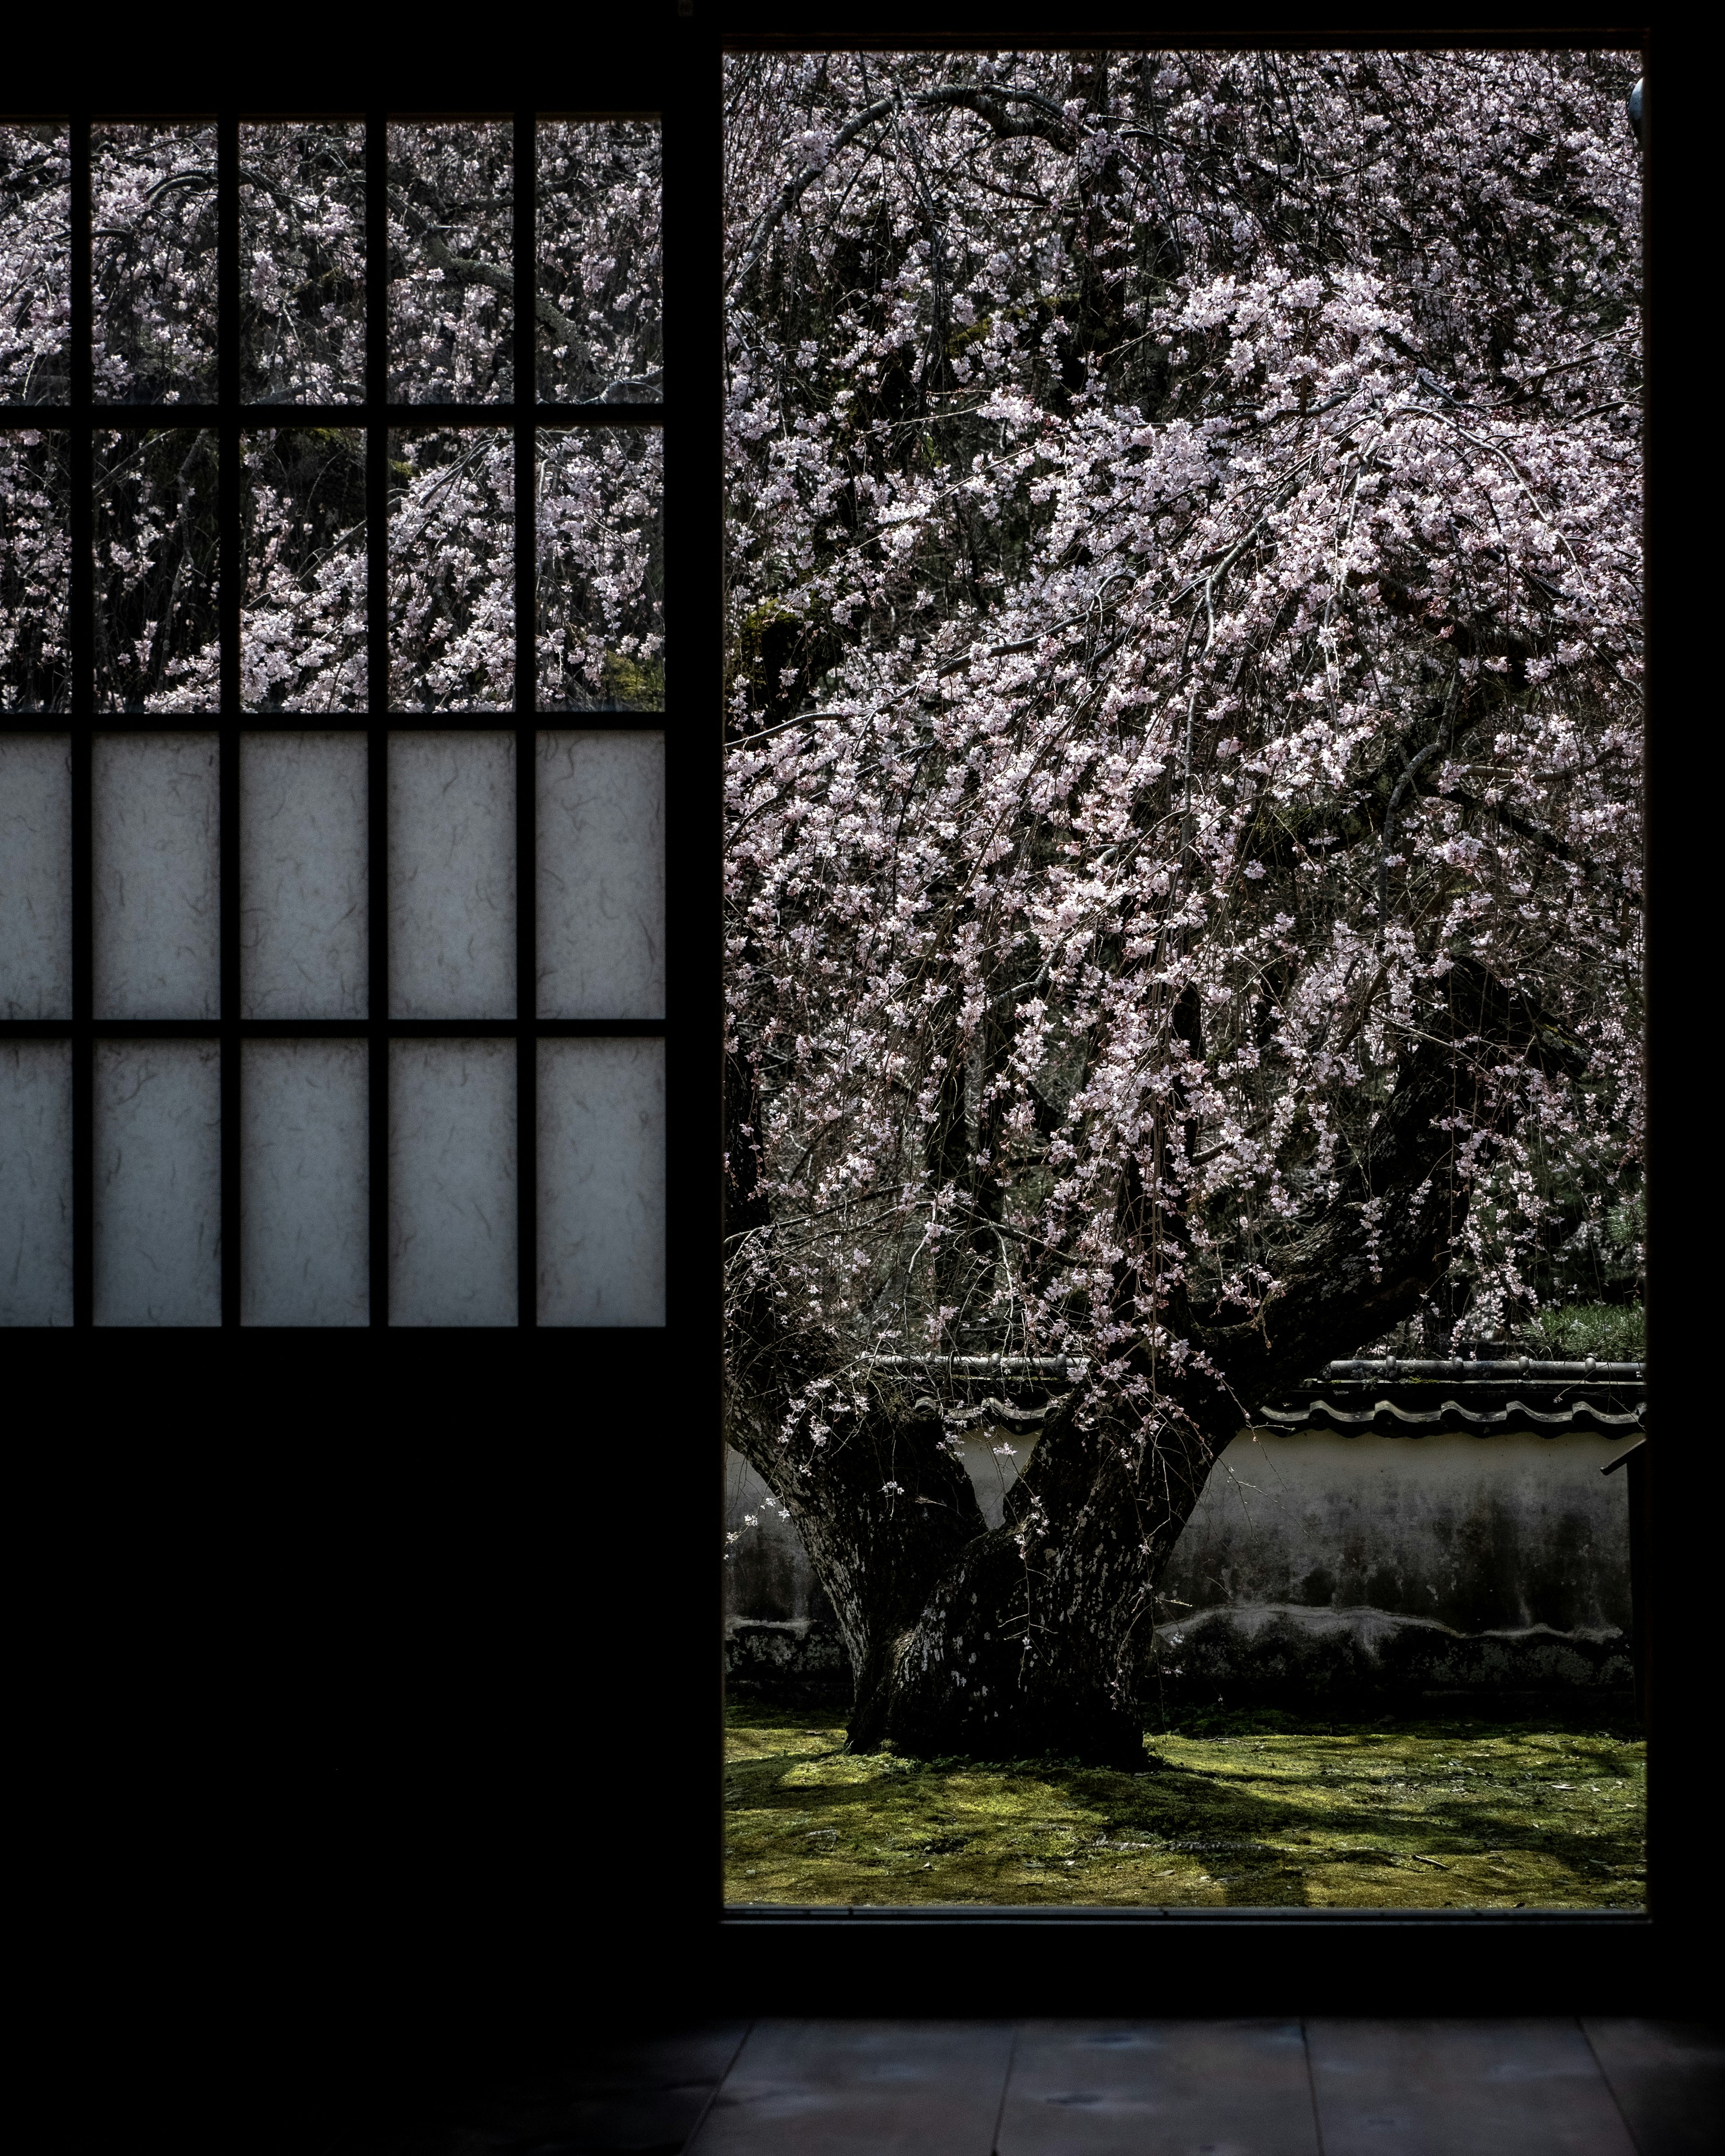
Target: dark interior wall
column 531, row 1762
column 327, row 1770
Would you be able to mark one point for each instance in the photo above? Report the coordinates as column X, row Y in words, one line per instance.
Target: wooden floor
column 1177, row 2088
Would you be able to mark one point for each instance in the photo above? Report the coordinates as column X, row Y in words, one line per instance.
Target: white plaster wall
column 1468, row 1532
column 1501, row 1559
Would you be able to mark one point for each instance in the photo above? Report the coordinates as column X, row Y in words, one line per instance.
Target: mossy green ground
column 1254, row 1807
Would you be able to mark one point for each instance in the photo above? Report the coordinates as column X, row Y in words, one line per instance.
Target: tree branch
column 1043, row 119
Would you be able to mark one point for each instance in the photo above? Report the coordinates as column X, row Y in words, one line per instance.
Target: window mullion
column 80, row 448
column 378, row 698
column 229, row 585
column 527, row 877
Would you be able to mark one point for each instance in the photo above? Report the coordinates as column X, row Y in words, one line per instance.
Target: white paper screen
column 451, row 876
column 601, row 1181
column 35, row 877
column 302, row 876
column 158, row 1177
column 452, row 1199
column 36, row 1183
column 600, row 839
column 304, row 1183
column 158, row 816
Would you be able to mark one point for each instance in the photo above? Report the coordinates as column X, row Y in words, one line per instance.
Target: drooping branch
column 1364, row 1261
column 467, row 270
column 1041, row 116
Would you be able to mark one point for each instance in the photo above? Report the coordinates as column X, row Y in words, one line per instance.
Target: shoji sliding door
column 332, row 723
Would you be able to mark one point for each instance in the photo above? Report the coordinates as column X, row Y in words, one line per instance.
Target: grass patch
column 1616, row 1333
column 1254, row 1808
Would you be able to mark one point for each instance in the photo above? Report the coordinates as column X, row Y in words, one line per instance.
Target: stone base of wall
column 793, row 1661
column 1272, row 1655
column 1289, row 1648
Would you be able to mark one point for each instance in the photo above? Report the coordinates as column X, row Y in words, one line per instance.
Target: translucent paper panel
column 158, row 1183
column 304, row 1183
column 452, row 570
column 35, row 1183
column 157, row 893
column 153, row 219
column 302, row 622
column 451, row 229
column 35, row 877
column 302, row 263
column 452, row 875
column 35, row 261
column 601, row 819
column 157, row 546
column 602, row 1183
column 302, row 876
column 452, row 1188
column 35, row 572
column 601, row 575
column 599, row 336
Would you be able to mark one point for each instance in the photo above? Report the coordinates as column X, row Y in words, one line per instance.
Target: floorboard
column 1496, row 2087
column 861, row 2088
column 1550, row 2086
column 1669, row 2079
column 1152, row 2088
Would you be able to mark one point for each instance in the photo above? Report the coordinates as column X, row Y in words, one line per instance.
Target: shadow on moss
column 1249, row 1807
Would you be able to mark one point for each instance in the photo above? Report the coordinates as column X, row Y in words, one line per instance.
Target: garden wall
column 1314, row 1563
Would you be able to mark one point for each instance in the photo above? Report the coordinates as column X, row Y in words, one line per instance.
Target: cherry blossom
column 1183, row 762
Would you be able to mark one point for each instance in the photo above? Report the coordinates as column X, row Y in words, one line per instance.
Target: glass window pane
column 601, row 558
column 157, row 544
column 602, row 1183
column 158, row 1183
column 599, row 334
column 158, row 894
column 153, row 253
column 302, row 263
column 35, row 1183
column 35, row 572
column 452, row 1188
column 452, row 875
column 302, row 876
column 452, row 570
column 601, row 821
column 35, row 308
column 451, row 230
column 302, row 623
column 35, row 877
column 305, row 1176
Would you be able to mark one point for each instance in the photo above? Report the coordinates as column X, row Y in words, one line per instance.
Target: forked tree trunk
column 1032, row 1639
column 1036, row 1640
column 1025, row 1640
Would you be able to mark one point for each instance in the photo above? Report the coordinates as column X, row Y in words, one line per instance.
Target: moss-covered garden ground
column 1251, row 1807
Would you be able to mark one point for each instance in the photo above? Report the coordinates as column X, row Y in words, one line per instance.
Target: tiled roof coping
column 1479, row 1370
